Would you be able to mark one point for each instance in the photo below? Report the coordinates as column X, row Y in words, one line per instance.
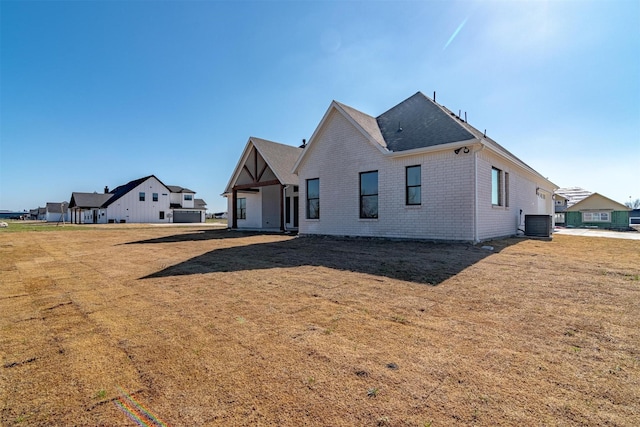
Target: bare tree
column 633, row 204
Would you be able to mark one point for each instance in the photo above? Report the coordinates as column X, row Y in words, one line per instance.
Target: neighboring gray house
column 33, row 213
column 144, row 200
column 42, row 214
column 415, row 171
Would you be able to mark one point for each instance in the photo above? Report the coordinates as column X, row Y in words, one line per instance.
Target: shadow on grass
column 201, row 235
column 419, row 262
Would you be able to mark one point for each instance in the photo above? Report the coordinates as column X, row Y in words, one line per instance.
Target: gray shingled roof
column 418, row 122
column 280, row 158
column 57, row 207
column 368, row 123
column 178, row 189
column 199, row 203
column 89, row 200
column 120, row 191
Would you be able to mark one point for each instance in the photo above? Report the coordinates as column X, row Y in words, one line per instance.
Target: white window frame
column 598, row 216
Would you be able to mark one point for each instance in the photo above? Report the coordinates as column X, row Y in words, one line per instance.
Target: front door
column 95, row 216
column 295, row 211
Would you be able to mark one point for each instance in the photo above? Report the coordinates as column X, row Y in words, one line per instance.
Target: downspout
column 476, row 237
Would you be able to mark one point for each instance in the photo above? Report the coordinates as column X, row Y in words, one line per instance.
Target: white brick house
column 416, row 171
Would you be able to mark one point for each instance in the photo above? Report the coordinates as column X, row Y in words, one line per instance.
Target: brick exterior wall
column 500, row 221
column 339, row 152
column 338, row 155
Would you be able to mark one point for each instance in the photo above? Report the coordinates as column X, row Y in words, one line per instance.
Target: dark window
column 141, row 196
column 413, row 196
column 496, row 187
column 241, row 208
column 313, row 198
column 369, row 194
column 161, row 214
column 155, row 197
column 295, row 188
column 188, row 197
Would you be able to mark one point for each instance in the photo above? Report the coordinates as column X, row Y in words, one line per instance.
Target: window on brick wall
column 369, row 194
column 413, row 185
column 313, row 198
column 496, row 187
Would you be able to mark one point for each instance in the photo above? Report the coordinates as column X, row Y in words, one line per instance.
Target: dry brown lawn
column 216, row 327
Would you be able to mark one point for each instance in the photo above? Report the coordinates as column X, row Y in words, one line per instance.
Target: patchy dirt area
column 212, row 327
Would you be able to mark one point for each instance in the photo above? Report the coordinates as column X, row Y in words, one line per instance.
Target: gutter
column 433, row 148
column 476, row 238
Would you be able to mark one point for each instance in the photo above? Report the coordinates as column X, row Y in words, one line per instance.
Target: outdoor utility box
column 538, row 225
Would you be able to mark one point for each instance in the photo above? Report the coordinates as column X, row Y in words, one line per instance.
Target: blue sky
column 96, row 93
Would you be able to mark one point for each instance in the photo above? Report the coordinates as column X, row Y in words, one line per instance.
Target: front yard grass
column 215, row 327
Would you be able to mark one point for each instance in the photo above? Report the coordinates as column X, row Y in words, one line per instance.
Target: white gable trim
column 335, row 106
column 238, row 168
column 243, row 159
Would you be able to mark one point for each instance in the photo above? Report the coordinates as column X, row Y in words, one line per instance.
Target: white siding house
column 416, row 171
column 144, row 200
column 57, row 212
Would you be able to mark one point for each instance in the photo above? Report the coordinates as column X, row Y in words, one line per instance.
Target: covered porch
column 262, row 193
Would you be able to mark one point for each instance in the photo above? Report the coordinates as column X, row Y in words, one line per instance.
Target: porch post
column 281, row 207
column 234, row 209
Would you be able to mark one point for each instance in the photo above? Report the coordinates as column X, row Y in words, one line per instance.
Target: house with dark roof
column 57, row 212
column 144, row 200
column 262, row 192
column 42, row 214
column 33, row 213
column 416, row 171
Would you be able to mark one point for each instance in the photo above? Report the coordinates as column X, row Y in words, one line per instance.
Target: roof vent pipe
column 434, row 96
column 304, row 143
column 106, row 189
column 465, row 117
column 485, row 133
